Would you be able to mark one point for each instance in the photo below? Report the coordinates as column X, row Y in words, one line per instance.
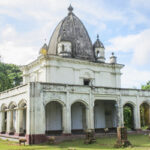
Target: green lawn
column 139, row 142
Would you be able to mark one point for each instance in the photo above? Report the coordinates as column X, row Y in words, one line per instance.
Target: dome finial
column 97, row 36
column 70, row 9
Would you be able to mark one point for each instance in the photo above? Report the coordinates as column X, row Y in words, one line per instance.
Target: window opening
column 86, row 81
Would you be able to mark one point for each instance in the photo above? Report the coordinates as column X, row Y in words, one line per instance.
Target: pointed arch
column 56, row 100
column 54, row 116
column 22, row 103
column 3, row 107
column 79, row 116
column 130, row 103
column 81, row 101
column 12, row 105
column 145, row 102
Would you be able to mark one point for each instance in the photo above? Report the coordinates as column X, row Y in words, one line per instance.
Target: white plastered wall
column 54, row 69
column 38, row 95
column 68, row 95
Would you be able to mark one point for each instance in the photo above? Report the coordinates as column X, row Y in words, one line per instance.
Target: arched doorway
column 4, row 118
column 128, row 113
column 53, row 118
column 145, row 115
column 12, row 116
column 105, row 115
column 78, row 118
column 22, row 116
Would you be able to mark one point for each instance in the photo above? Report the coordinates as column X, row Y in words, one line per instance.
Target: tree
column 146, row 87
column 10, row 76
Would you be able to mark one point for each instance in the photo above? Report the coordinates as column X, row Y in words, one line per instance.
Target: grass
column 139, row 142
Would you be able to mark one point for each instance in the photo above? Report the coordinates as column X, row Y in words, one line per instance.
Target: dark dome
column 72, row 29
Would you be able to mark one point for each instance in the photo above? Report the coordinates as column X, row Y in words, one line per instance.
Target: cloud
column 137, row 43
column 21, row 46
column 13, row 53
column 16, row 48
column 140, row 3
column 8, row 33
column 98, row 11
column 133, row 78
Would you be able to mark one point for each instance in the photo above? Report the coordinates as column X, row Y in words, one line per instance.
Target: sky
column 123, row 28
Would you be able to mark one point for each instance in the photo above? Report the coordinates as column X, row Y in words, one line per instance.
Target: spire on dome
column 97, row 36
column 98, row 43
column 70, row 9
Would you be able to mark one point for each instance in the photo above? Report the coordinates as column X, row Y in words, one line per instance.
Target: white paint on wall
column 53, row 116
column 56, row 69
column 77, row 116
column 99, row 115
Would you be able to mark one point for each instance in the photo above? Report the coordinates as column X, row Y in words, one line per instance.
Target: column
column 66, row 120
column 17, row 120
column 88, row 124
column 91, row 111
column 148, row 116
column 137, row 121
column 121, row 117
column 1, row 122
column 19, row 129
column 117, row 114
column 89, row 118
column 9, row 121
column 67, row 114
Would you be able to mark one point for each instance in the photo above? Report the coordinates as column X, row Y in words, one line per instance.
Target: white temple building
column 69, row 88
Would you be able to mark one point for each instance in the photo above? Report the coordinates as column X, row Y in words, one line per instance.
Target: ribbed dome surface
column 72, row 29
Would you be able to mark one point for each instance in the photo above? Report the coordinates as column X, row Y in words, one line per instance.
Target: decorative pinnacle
column 112, row 53
column 70, row 9
column 97, row 36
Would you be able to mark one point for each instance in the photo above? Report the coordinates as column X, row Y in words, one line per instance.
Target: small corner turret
column 99, row 50
column 44, row 49
column 113, row 59
column 64, row 49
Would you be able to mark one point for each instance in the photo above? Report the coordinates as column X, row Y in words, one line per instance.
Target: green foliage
column 10, row 76
column 144, row 115
column 128, row 117
column 146, row 87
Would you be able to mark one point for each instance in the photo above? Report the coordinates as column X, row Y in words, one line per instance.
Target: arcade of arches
column 129, row 116
column 105, row 116
column 13, row 117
